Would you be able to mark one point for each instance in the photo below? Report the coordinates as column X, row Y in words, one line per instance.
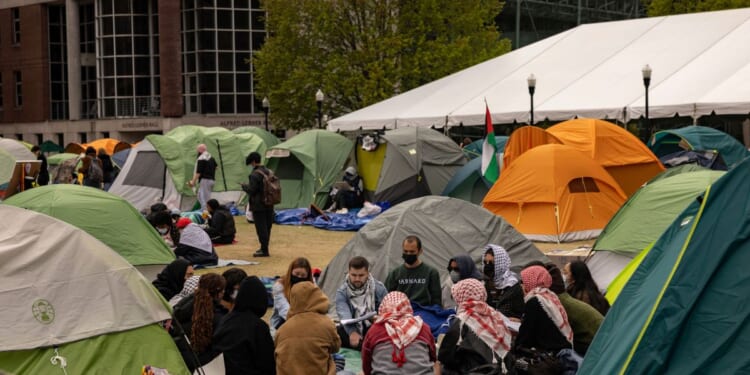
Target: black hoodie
column 171, row 279
column 243, row 337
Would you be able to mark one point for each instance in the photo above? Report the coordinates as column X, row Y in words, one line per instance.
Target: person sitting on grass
column 299, row 270
column 195, row 245
column 172, row 278
column 220, row 224
column 359, row 295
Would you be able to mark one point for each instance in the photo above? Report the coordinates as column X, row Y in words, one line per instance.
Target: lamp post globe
column 266, row 105
column 319, row 97
column 531, row 82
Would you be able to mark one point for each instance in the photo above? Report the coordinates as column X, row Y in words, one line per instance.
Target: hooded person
column 195, row 244
column 478, row 336
column 306, row 342
column 191, row 284
column 243, row 336
column 172, row 278
column 462, row 267
column 545, row 323
column 504, row 292
column 398, row 342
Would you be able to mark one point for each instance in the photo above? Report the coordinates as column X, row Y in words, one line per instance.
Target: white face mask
column 565, row 281
column 455, row 276
column 234, row 295
column 163, row 230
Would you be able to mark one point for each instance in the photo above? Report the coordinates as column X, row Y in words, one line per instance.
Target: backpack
column 95, row 172
column 271, row 188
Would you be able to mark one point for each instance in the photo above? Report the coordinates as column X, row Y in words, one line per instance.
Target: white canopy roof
column 700, row 63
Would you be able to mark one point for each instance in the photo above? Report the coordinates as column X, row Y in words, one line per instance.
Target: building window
column 58, row 66
column 83, row 137
column 60, row 139
column 39, row 139
column 19, row 136
column 19, row 88
column 1, row 92
column 15, row 15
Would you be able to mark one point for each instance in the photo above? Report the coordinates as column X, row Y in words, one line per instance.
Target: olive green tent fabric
column 446, row 226
column 61, row 286
column 698, row 138
column 268, row 138
column 307, row 165
column 105, row 216
column 115, row 353
column 685, row 310
column 685, row 168
column 642, row 219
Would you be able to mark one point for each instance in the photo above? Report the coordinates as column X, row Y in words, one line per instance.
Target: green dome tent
column 307, row 165
column 642, row 219
column 685, row 310
column 474, row 149
column 105, row 216
column 692, row 137
column 268, row 138
column 68, row 294
column 468, row 183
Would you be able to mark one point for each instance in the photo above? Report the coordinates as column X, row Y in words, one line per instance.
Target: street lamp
column 319, row 97
column 266, row 105
column 646, row 72
column 532, row 86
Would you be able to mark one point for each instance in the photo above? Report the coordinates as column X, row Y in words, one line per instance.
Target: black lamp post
column 646, row 72
column 266, row 105
column 532, row 86
column 319, row 97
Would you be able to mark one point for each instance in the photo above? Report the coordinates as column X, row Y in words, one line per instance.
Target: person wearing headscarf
column 306, row 342
column 195, row 244
column 584, row 319
column 478, row 336
column 243, row 336
column 172, row 278
column 462, row 267
column 545, row 323
column 398, row 342
column 189, row 288
column 199, row 315
column 234, row 276
column 360, row 294
column 504, row 292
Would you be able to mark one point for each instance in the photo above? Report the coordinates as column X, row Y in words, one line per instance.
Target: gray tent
column 446, row 226
column 416, row 162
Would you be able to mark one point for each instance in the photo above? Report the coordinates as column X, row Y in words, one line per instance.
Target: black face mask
column 296, row 279
column 489, row 270
column 410, row 259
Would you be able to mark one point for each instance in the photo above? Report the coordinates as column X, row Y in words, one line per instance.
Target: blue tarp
column 339, row 222
column 434, row 316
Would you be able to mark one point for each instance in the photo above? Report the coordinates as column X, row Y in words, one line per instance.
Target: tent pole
column 221, row 162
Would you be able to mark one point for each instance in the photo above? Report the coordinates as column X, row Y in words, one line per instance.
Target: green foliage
column 667, row 7
column 359, row 52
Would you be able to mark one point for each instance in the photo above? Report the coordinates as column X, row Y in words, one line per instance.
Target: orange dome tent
column 623, row 155
column 555, row 193
column 524, row 139
column 108, row 144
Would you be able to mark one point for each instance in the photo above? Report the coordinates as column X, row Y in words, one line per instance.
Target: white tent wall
column 699, row 62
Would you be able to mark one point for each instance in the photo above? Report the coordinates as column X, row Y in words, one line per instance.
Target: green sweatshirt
column 421, row 284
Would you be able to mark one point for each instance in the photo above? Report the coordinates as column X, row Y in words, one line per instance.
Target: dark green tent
column 698, row 138
column 685, row 310
column 49, row 146
column 474, row 149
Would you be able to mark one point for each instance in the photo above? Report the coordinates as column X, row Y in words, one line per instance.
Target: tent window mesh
column 583, row 185
column 290, row 168
column 147, row 176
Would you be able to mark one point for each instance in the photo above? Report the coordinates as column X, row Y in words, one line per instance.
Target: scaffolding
column 527, row 21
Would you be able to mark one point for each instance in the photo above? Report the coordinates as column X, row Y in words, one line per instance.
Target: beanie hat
column 183, row 222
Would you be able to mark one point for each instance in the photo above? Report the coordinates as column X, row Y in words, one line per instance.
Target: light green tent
column 11, row 151
column 268, row 138
column 685, row 309
column 642, row 219
column 105, row 216
column 307, row 165
column 160, row 166
column 67, row 293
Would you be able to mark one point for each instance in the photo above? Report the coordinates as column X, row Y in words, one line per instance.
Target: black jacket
column 222, row 222
column 459, row 359
column 255, row 189
column 538, row 331
column 183, row 312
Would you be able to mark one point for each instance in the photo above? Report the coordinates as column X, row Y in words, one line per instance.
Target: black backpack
column 95, row 172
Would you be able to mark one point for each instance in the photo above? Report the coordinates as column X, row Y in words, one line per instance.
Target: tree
column 667, row 7
column 359, row 52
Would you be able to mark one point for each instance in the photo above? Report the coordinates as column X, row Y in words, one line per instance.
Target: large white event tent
column 700, row 63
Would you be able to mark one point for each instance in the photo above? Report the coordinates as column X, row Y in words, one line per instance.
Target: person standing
column 108, row 169
column 359, row 295
column 91, row 168
column 262, row 213
column 420, row 282
column 43, row 177
column 204, row 175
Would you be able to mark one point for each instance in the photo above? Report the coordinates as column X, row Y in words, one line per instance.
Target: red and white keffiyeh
column 487, row 323
column 537, row 280
column 398, row 317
